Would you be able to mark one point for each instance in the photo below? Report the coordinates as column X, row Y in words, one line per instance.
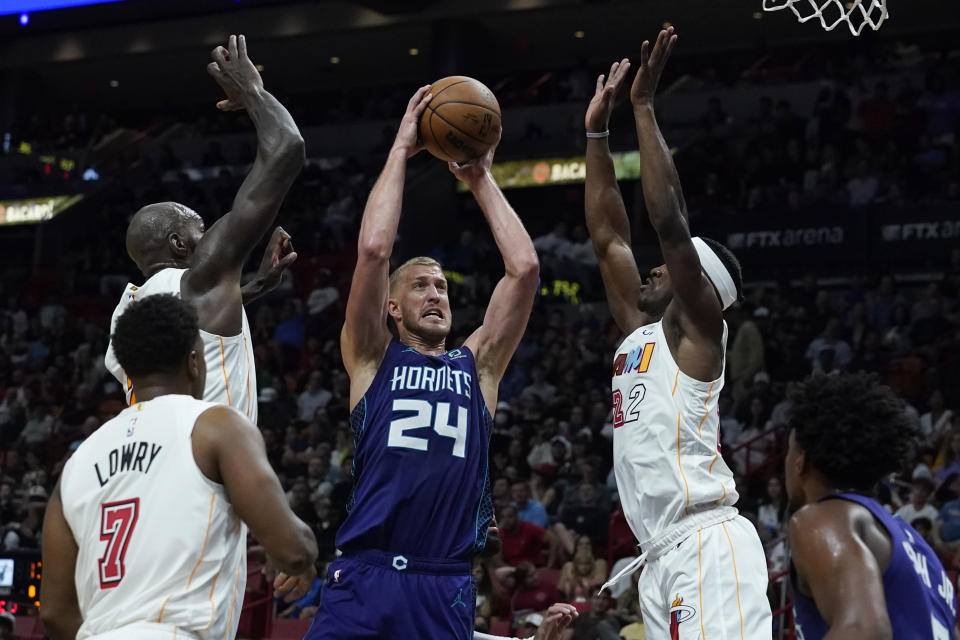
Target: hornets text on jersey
column 421, row 463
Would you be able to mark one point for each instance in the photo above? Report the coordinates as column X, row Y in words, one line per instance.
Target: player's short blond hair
column 418, row 261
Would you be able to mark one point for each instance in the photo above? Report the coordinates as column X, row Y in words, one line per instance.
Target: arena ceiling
column 138, row 49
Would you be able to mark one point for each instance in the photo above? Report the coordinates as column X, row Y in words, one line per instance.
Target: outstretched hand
column 651, row 67
column 408, row 135
column 469, row 173
column 559, row 616
column 276, row 259
column 608, row 88
column 235, row 73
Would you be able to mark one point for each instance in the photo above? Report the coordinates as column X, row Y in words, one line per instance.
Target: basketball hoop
column 855, row 13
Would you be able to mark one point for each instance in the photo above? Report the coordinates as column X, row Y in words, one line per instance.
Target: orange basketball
column 462, row 121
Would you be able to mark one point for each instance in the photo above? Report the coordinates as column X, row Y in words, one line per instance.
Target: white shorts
column 143, row 631
column 712, row 586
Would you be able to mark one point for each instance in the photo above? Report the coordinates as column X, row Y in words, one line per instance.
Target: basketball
column 462, row 121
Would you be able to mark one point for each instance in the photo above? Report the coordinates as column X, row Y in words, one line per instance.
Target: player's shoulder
column 214, row 413
column 827, row 521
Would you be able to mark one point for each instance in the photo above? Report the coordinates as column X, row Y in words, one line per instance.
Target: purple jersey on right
column 920, row 598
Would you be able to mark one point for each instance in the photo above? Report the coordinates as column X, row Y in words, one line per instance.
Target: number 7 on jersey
column 117, row 520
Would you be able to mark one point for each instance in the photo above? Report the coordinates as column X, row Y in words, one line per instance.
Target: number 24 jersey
column 422, row 432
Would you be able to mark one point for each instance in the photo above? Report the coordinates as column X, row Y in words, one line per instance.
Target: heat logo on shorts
column 679, row 613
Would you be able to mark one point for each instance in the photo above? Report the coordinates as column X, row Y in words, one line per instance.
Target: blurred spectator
column 584, row 515
column 828, row 352
column 527, row 625
column 951, row 457
column 918, row 507
column 313, row 397
column 523, row 541
column 528, row 510
column 935, row 422
column 772, row 512
column 947, row 525
column 582, row 576
column 323, row 296
column 746, row 356
column 598, row 622
column 531, row 592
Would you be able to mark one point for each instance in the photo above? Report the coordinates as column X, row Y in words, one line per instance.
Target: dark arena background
column 829, row 163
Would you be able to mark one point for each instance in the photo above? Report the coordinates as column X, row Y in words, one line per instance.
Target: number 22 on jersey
column 117, row 521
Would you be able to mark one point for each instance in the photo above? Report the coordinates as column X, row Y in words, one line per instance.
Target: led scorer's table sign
column 34, row 210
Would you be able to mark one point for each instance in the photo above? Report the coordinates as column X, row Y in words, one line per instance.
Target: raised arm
column 58, row 591
column 664, row 197
column 221, row 253
column 365, row 335
column 510, row 304
column 606, row 215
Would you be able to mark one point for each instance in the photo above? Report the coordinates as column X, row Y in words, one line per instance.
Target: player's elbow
column 527, row 268
column 864, row 629
column 57, row 622
column 373, row 249
column 291, row 150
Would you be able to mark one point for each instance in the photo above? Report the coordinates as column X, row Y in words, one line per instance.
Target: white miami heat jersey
column 666, row 437
column 161, row 549
column 231, row 376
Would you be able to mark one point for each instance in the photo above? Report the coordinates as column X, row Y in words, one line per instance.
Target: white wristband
column 598, row 134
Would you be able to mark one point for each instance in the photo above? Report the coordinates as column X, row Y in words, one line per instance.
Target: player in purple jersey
column 422, row 417
column 857, row 571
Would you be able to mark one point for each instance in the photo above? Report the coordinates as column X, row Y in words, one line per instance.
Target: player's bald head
column 150, row 231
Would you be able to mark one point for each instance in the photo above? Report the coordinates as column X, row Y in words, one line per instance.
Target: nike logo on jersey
column 136, row 456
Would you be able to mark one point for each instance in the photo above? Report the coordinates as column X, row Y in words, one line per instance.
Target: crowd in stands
column 551, row 455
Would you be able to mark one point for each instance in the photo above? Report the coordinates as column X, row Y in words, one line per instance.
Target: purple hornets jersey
column 420, row 469
column 920, row 598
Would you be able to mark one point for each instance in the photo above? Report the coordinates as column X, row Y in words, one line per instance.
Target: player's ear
column 177, row 244
column 800, row 464
column 393, row 309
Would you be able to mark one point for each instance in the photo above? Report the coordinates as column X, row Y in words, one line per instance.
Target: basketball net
column 857, row 14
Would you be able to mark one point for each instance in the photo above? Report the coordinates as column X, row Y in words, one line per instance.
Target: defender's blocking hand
column 608, row 88
column 651, row 67
column 235, row 73
column 276, row 259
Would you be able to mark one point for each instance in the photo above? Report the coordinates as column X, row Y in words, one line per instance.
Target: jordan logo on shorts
column 679, row 613
column 459, row 600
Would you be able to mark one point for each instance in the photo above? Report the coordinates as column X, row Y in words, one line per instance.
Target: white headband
column 716, row 272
